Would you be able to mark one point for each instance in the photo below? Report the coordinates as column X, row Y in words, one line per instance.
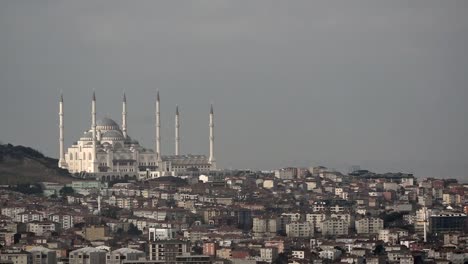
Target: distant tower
column 425, row 223
column 93, row 125
column 124, row 116
column 99, row 203
column 177, row 138
column 158, row 128
column 212, row 159
column 62, row 162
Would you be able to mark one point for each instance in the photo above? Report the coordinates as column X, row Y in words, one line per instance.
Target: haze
column 381, row 84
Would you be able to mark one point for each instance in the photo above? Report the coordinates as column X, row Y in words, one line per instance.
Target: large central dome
column 107, row 124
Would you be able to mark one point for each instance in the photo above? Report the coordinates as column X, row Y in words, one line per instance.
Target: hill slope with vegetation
column 20, row 165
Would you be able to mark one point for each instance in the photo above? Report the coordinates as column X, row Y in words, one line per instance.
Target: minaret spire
column 158, row 127
column 177, row 138
column 124, row 115
column 62, row 162
column 212, row 159
column 93, row 126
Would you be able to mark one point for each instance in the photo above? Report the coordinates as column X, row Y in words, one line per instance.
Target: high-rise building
column 167, row 250
column 447, row 222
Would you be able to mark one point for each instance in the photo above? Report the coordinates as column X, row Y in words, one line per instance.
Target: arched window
column 89, row 157
column 71, row 156
column 84, row 156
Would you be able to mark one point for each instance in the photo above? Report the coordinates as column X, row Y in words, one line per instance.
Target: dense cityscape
column 290, row 215
column 123, row 203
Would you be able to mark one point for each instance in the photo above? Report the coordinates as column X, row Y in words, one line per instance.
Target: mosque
column 107, row 152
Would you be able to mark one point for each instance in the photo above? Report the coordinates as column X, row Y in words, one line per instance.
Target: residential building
column 167, row 250
column 334, row 227
column 369, row 225
column 120, row 255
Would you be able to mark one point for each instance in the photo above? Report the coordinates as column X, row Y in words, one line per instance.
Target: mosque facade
column 107, row 152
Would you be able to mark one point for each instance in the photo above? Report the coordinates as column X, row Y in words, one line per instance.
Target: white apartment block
column 332, row 254
column 65, row 220
column 299, row 229
column 87, row 255
column 12, row 212
column 369, row 225
column 268, row 254
column 334, row 227
column 316, row 220
column 120, row 255
column 39, row 228
column 29, row 216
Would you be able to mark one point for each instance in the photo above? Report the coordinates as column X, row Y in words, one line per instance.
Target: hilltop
column 19, row 164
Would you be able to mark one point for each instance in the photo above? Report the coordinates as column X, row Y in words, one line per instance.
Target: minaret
column 425, row 223
column 158, row 128
column 93, row 126
column 99, row 203
column 62, row 162
column 177, row 138
column 124, row 116
column 212, row 159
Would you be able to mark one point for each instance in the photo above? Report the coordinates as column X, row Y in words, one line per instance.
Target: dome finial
column 211, row 109
column 177, row 110
column 61, row 96
column 124, row 98
column 94, row 95
column 157, row 96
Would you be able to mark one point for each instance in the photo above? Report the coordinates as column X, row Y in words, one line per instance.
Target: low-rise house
column 120, row 255
column 88, row 255
column 41, row 227
column 16, row 256
column 43, row 255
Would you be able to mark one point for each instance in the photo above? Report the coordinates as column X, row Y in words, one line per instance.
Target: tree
column 197, row 250
column 281, row 259
column 79, row 225
column 110, row 212
column 27, row 188
column 119, row 232
column 66, row 190
column 133, row 230
column 379, row 250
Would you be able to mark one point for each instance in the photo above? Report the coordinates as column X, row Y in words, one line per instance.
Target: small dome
column 88, row 135
column 112, row 135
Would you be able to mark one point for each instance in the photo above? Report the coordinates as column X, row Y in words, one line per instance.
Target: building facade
column 107, row 151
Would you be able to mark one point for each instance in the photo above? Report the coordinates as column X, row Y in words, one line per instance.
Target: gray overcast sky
column 381, row 84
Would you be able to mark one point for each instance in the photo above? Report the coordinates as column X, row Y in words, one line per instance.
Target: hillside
column 19, row 164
